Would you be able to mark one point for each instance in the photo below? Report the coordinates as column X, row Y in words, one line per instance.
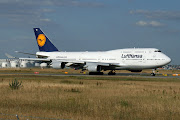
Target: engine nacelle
column 43, row 65
column 94, row 68
column 58, row 65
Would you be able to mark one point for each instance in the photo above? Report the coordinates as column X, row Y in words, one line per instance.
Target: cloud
column 76, row 3
column 156, row 24
column 45, row 20
column 39, row 3
column 162, row 15
column 149, row 23
column 35, row 12
column 142, row 23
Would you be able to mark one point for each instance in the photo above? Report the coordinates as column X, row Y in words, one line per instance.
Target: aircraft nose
column 168, row 60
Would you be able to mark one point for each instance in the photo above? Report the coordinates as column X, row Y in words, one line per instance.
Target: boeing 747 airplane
column 132, row 59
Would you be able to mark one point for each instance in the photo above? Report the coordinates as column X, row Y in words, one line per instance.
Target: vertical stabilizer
column 43, row 42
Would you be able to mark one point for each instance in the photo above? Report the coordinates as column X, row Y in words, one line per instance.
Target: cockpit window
column 157, row 51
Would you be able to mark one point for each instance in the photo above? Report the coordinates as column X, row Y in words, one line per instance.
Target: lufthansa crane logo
column 41, row 40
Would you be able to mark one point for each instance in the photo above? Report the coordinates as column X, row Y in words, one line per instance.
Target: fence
column 21, row 117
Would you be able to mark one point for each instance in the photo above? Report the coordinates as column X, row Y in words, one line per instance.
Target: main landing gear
column 96, row 73
column 112, row 72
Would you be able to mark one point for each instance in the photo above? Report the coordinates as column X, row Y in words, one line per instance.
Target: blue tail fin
column 43, row 42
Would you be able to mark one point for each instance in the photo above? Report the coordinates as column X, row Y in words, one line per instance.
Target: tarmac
column 142, row 75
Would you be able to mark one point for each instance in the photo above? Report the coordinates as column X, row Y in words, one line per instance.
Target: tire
column 153, row 74
column 96, row 73
column 111, row 73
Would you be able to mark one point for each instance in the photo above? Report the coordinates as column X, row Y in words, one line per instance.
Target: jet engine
column 94, row 68
column 58, row 65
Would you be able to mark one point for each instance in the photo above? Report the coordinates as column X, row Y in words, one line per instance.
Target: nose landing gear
column 153, row 72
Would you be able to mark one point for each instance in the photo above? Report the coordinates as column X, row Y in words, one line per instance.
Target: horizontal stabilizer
column 25, row 53
column 9, row 56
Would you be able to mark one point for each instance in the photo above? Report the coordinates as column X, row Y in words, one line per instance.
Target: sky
column 91, row 25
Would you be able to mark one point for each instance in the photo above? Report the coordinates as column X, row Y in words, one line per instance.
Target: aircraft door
column 99, row 58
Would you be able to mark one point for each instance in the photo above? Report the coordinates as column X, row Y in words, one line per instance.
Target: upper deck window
column 139, row 51
column 157, row 51
column 127, row 51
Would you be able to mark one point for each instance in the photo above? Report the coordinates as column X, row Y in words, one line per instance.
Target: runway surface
column 145, row 75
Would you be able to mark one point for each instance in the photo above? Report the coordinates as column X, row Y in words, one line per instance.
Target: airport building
column 19, row 63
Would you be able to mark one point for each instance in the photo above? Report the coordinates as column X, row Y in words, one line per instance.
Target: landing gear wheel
column 96, row 73
column 153, row 74
column 112, row 72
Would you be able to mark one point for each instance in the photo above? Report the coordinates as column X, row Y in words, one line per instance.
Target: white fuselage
column 127, row 59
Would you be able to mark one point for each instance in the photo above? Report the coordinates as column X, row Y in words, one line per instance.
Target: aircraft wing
column 35, row 59
column 102, row 64
column 25, row 53
column 72, row 63
column 80, row 64
column 86, row 62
